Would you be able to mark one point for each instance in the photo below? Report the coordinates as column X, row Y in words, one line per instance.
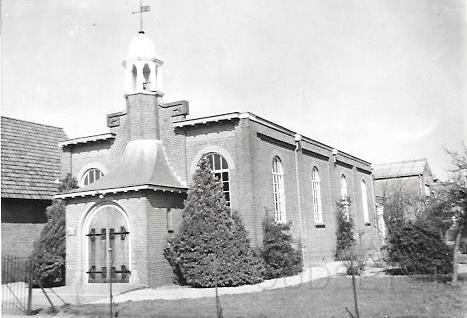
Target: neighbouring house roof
column 143, row 166
column 400, row 169
column 30, row 157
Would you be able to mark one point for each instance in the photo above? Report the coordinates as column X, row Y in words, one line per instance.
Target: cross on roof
column 142, row 9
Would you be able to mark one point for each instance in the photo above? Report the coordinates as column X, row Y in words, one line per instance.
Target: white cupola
column 142, row 68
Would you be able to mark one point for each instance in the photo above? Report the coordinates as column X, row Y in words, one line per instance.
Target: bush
column 358, row 266
column 345, row 231
column 280, row 255
column 415, row 250
column 210, row 231
column 49, row 253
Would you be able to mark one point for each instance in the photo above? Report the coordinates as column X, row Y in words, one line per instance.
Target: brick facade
column 160, row 133
column 249, row 146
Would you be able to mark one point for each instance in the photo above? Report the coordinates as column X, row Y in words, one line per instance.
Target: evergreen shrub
column 415, row 250
column 49, row 253
column 210, row 233
column 345, row 230
column 282, row 256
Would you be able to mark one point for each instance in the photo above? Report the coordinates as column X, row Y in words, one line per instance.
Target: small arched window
column 146, row 72
column 134, row 73
column 91, row 176
column 344, row 193
column 278, row 190
column 316, row 189
column 366, row 217
column 220, row 169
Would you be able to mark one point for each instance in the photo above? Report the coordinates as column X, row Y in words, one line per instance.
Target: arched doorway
column 107, row 235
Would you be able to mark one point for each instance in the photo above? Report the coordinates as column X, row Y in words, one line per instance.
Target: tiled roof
column 30, row 159
column 143, row 163
column 399, row 169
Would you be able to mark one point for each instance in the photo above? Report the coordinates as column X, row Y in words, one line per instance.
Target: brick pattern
column 18, row 238
column 249, row 148
column 146, row 212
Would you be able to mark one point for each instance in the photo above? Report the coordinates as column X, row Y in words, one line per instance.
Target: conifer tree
column 210, row 231
column 282, row 256
column 49, row 250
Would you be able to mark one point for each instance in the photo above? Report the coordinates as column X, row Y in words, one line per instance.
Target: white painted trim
column 208, row 149
column 116, row 190
column 82, row 140
column 230, row 162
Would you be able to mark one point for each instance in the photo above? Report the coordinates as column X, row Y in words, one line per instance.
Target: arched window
column 108, row 246
column 366, row 217
column 146, row 72
column 134, row 73
column 344, row 193
column 316, row 189
column 220, row 169
column 278, row 190
column 91, row 176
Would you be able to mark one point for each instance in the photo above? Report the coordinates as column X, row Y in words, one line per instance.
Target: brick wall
column 18, row 238
column 22, row 223
column 250, row 147
column 148, row 235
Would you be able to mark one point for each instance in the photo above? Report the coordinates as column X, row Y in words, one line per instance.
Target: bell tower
column 142, row 88
column 142, row 68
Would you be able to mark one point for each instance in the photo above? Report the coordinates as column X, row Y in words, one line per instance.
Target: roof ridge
column 403, row 161
column 31, row 122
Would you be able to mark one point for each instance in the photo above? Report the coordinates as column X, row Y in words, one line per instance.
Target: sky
column 382, row 80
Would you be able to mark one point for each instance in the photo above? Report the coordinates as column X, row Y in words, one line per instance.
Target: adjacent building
column 30, row 169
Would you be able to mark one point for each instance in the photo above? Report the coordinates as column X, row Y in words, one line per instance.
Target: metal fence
column 16, row 284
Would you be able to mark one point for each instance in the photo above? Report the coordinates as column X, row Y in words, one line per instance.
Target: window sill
column 320, row 226
column 367, row 224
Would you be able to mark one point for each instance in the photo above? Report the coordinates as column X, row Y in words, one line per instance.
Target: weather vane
column 141, row 10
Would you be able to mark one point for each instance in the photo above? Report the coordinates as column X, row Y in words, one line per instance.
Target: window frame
column 221, row 172
column 344, row 188
column 316, row 197
column 278, row 190
column 364, row 197
column 86, row 174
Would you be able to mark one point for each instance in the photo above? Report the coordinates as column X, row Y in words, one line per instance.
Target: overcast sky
column 382, row 80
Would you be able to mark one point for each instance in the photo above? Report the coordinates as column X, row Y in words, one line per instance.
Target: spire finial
column 142, row 9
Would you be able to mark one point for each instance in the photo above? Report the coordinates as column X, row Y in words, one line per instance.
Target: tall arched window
column 220, row 169
column 316, row 189
column 278, row 190
column 108, row 246
column 344, row 193
column 91, row 176
column 366, row 217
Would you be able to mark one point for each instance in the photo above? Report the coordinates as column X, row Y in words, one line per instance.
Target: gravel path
column 181, row 292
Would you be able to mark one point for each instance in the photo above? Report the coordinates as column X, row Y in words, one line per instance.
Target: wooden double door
column 108, row 246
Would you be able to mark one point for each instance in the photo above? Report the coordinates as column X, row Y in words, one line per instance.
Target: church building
column 134, row 178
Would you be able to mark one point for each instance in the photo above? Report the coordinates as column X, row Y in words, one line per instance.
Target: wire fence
column 16, row 284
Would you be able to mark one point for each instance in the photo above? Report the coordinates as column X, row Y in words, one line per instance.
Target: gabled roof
column 400, row 169
column 143, row 165
column 30, row 159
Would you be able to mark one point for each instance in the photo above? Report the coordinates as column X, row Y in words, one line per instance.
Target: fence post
column 31, row 277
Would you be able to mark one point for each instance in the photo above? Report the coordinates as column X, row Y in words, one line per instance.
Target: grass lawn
column 328, row 297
